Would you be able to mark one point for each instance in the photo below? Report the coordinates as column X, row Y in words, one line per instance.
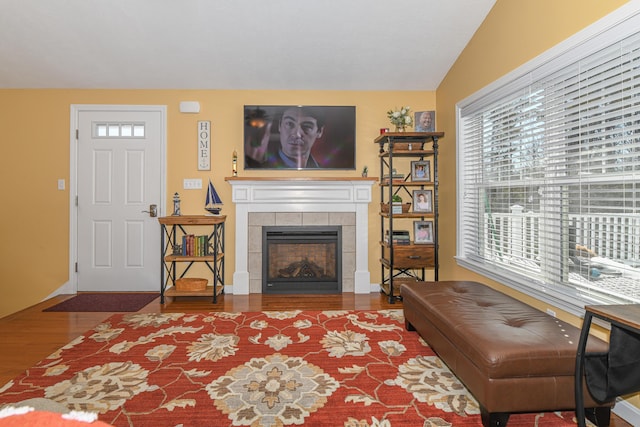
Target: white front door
column 120, row 154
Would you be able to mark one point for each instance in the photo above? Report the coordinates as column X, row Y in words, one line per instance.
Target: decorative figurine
column 235, row 163
column 176, row 205
column 212, row 203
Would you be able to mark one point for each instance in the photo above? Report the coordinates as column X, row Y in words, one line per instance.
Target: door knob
column 153, row 211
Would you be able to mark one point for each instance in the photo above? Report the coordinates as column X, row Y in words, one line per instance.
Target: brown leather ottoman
column 510, row 356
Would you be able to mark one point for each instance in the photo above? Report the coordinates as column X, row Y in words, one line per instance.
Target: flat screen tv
column 299, row 137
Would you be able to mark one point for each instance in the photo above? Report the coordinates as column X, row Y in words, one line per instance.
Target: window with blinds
column 549, row 174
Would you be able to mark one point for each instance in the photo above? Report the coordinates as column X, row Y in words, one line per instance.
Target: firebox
column 302, row 260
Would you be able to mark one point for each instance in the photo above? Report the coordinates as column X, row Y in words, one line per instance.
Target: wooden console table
column 172, row 230
column 624, row 344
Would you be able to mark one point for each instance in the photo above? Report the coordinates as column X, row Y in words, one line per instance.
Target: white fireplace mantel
column 301, row 195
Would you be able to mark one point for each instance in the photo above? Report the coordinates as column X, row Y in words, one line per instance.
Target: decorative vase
column 400, row 128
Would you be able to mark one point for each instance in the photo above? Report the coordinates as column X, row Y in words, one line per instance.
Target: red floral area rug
column 324, row 368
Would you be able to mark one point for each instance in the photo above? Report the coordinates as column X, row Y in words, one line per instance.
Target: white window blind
column 549, row 175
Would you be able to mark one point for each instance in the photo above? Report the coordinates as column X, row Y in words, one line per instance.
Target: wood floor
column 31, row 335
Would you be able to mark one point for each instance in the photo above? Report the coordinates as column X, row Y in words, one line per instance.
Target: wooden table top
column 192, row 219
column 625, row 314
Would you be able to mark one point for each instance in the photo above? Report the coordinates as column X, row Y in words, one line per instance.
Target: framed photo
column 423, row 232
column 421, row 170
column 300, row 137
column 423, row 200
column 425, row 121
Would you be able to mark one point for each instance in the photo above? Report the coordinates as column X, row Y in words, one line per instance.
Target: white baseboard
column 628, row 412
column 374, row 288
column 66, row 289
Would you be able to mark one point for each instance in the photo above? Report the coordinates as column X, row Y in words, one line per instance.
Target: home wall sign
column 204, row 145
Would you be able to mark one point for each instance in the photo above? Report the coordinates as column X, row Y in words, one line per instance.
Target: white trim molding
column 301, row 195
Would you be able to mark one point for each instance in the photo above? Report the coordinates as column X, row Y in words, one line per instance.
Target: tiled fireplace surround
column 301, row 201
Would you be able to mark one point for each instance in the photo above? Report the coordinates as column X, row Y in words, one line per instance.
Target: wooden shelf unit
column 175, row 266
column 401, row 263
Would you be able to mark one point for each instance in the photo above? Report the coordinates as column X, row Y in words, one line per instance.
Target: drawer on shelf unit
column 411, row 256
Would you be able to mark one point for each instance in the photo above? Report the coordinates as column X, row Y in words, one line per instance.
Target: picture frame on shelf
column 423, row 232
column 425, row 121
column 420, row 170
column 423, row 201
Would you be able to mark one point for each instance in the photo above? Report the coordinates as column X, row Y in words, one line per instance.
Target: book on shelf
column 394, row 175
column 193, row 245
column 400, row 237
column 401, row 241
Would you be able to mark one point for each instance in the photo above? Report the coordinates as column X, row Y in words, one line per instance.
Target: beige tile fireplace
column 263, row 202
column 257, row 220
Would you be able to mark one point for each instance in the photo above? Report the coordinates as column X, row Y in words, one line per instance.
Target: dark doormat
column 106, row 301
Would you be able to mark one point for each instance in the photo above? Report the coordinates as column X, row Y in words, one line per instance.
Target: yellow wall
column 35, row 154
column 35, row 145
column 513, row 33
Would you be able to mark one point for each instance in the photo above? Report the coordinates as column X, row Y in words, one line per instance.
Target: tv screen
column 299, row 137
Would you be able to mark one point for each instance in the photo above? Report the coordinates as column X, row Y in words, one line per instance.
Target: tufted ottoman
column 510, row 356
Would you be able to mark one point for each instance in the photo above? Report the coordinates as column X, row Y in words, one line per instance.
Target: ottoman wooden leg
column 408, row 326
column 493, row 419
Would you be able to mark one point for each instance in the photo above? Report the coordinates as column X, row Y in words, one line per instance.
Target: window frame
column 611, row 29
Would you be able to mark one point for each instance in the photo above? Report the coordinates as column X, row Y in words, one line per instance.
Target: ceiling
column 234, row 44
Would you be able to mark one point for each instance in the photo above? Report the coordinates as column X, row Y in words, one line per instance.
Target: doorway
column 117, row 173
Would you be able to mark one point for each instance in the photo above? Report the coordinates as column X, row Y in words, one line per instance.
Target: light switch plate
column 192, row 184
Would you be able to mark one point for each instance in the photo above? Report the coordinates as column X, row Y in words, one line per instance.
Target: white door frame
column 71, row 287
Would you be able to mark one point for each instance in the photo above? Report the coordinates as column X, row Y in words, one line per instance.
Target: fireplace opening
column 301, row 259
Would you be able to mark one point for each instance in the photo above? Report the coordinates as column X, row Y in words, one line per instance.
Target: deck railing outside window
column 602, row 251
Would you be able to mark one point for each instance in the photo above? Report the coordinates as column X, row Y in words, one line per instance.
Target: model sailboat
column 213, row 202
